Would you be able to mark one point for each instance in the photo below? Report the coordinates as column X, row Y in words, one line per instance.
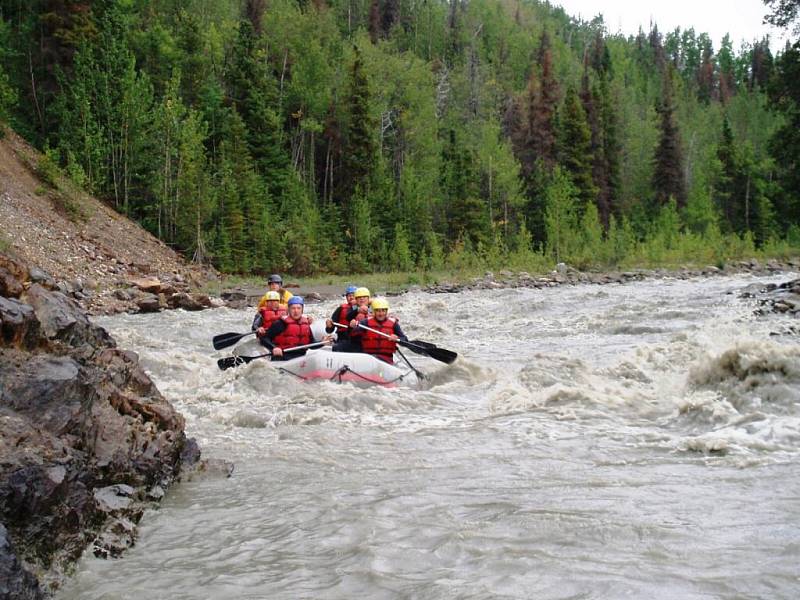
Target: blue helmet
column 296, row 300
column 351, row 289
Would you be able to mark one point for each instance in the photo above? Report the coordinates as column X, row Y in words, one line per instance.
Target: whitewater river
column 635, row 441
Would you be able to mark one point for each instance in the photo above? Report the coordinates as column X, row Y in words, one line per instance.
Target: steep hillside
column 76, row 238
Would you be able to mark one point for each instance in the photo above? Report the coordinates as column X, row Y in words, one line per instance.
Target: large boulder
column 86, row 439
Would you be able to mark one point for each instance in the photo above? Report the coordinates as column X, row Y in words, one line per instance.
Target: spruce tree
column 784, row 95
column 358, row 160
column 542, row 118
column 592, row 106
column 725, row 187
column 252, row 91
column 575, row 149
column 668, row 176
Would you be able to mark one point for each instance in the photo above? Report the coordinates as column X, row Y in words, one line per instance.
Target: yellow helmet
column 380, row 303
column 362, row 291
column 273, row 296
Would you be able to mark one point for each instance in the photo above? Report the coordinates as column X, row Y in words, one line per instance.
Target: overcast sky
column 741, row 18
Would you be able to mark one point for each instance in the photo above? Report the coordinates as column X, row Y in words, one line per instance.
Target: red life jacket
column 375, row 344
column 297, row 333
column 343, row 310
column 268, row 317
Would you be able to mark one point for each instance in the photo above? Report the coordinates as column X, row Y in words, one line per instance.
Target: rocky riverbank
column 565, row 275
column 86, row 439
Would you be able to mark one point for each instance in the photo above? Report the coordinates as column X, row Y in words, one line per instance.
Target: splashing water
column 590, row 442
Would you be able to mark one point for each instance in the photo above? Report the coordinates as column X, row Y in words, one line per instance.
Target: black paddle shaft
column 235, row 361
column 425, row 348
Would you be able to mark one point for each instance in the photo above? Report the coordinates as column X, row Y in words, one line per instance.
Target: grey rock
column 313, row 296
column 42, row 277
column 15, row 581
column 148, row 303
column 113, row 498
column 156, row 493
column 184, row 301
column 63, row 319
column 18, row 324
column 79, row 416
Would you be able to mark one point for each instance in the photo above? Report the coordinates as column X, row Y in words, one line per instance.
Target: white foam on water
column 636, row 440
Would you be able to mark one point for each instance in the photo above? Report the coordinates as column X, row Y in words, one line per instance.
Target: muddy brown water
column 637, row 441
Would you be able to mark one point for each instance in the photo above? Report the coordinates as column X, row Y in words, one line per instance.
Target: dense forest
column 355, row 135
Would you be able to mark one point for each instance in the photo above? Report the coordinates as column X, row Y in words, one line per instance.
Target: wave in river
column 745, row 399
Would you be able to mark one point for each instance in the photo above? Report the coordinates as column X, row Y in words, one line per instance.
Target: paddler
column 275, row 284
column 268, row 314
column 372, row 342
column 293, row 329
column 360, row 310
column 340, row 316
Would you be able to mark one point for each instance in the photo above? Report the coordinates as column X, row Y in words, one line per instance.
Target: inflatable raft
column 359, row 369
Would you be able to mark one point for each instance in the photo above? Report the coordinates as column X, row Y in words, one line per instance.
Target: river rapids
column 638, row 440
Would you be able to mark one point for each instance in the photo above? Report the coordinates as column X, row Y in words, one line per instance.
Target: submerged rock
column 85, row 437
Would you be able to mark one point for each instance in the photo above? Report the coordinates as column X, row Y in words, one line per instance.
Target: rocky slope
column 86, row 439
column 96, row 255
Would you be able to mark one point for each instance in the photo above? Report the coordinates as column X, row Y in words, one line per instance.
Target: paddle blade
column 224, row 340
column 229, row 362
column 443, row 355
column 235, row 361
column 436, row 353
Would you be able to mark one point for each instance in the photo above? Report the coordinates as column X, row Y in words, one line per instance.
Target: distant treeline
column 356, row 135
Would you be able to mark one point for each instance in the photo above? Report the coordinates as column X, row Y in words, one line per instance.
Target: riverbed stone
column 148, row 303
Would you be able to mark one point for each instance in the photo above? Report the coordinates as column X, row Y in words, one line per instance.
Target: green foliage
column 8, row 93
column 575, row 149
column 63, row 195
column 700, row 214
column 401, row 258
column 371, row 136
column 561, row 216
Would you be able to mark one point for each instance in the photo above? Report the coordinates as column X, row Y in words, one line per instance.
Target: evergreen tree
column 706, row 72
column 785, row 143
column 465, row 215
column 252, row 91
column 8, row 93
column 359, row 145
column 611, row 186
column 593, row 106
column 668, row 176
column 541, row 132
column 726, row 60
column 726, row 192
column 575, row 149
column 761, row 65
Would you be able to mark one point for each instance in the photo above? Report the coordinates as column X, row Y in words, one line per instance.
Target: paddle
column 234, row 361
column 419, row 373
column 428, row 349
column 223, row 340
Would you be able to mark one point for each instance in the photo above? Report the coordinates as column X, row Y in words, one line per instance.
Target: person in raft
column 360, row 310
column 275, row 284
column 289, row 331
column 372, row 342
column 340, row 316
column 268, row 314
